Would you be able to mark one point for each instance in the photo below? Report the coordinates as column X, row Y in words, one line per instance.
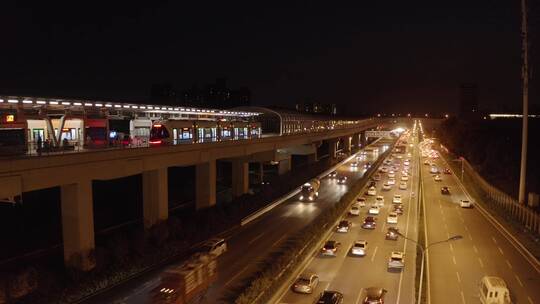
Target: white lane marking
column 475, row 249
column 470, row 237
column 447, row 235
column 530, row 300
column 383, row 225
column 519, row 281
column 481, row 264
column 494, row 240
column 374, row 253
column 454, row 260
column 500, row 250
column 451, row 247
column 235, row 276
column 276, row 242
column 458, row 277
column 259, row 236
column 327, row 285
column 466, row 228
column 508, row 263
column 462, row 297
column 359, row 295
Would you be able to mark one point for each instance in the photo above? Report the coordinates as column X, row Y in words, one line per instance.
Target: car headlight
column 301, row 197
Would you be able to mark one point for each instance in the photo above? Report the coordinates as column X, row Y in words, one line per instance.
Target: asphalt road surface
column 251, row 244
column 351, row 275
column 455, row 268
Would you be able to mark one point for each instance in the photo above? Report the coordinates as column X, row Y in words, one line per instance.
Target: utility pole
column 525, row 127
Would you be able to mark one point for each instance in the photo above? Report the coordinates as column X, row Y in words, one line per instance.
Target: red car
column 447, row 171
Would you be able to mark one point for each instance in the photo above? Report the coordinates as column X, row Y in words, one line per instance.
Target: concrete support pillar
column 205, row 188
column 312, row 158
column 240, row 177
column 363, row 139
column 284, row 166
column 347, row 144
column 155, row 197
column 355, row 141
column 78, row 225
column 332, row 148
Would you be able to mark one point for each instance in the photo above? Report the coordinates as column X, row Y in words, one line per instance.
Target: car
column 367, row 165
column 359, row 248
column 372, row 183
column 426, row 162
column 437, row 178
column 405, row 173
column 332, row 174
column 403, row 186
column 391, row 181
column 342, row 180
column 361, row 201
column 396, row 260
column 369, row 223
column 377, row 177
column 396, row 199
column 447, row 171
column 330, row 248
column 392, row 218
column 330, row 297
column 215, row 246
column 379, row 200
column 386, row 186
column 384, row 169
column 372, row 191
column 354, row 165
column 465, row 203
column 343, row 226
column 374, row 209
column 445, row 190
column 404, row 178
column 355, row 210
column 392, row 233
column 391, row 174
column 398, row 208
column 374, row 295
column 406, row 163
column 434, row 169
column 306, row 283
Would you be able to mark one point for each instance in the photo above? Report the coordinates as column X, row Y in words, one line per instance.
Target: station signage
column 385, row 134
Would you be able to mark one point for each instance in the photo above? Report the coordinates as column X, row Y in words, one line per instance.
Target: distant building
column 163, row 93
column 468, row 100
column 317, row 108
column 216, row 95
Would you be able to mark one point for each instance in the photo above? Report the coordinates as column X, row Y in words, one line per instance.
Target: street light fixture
column 423, row 250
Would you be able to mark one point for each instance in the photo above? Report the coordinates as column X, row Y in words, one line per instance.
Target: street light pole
column 525, row 127
column 423, row 251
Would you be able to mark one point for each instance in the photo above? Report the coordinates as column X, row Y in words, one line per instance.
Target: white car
column 404, row 173
column 372, row 191
column 215, row 246
column 465, row 203
column 355, row 210
column 374, row 209
column 391, row 174
column 396, row 260
column 379, row 200
column 403, row 186
column 361, row 201
column 434, row 169
column 386, row 186
column 354, row 165
column 404, row 178
column 396, row 199
column 437, row 178
column 359, row 248
column 406, row 163
column 391, row 181
column 384, row 169
column 392, row 218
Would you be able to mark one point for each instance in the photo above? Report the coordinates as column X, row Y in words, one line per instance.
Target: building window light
column 13, row 101
column 40, row 102
column 77, row 104
column 88, row 104
column 26, row 101
column 53, row 102
column 65, row 103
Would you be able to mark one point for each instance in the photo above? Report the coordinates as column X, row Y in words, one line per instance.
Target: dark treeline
column 493, row 147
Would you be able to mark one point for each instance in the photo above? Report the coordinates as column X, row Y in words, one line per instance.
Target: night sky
column 403, row 56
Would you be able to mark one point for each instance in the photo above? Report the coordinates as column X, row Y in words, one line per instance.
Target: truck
column 310, row 190
column 183, row 283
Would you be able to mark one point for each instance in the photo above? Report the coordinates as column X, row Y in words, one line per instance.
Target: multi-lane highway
column 456, row 268
column 250, row 244
column 351, row 275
